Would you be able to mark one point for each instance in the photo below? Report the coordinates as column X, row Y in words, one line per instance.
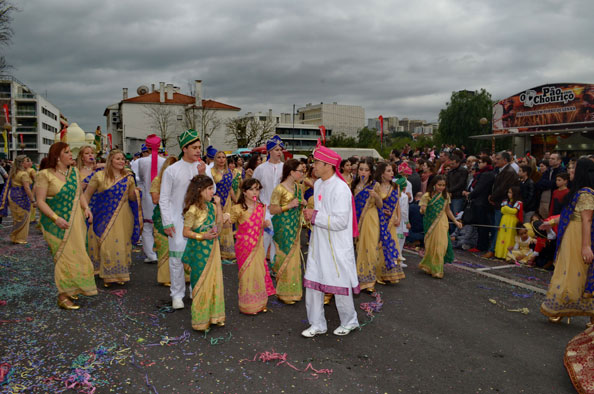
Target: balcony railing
column 4, row 95
column 26, row 129
column 25, row 96
column 26, row 113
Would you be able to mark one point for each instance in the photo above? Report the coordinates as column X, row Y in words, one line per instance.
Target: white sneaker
column 402, row 258
column 403, row 265
column 177, row 303
column 342, row 331
column 312, row 332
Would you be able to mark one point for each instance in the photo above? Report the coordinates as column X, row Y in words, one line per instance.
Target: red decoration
column 323, row 134
column 381, row 119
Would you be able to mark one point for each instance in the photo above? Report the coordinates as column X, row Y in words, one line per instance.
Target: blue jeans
column 496, row 221
column 456, row 205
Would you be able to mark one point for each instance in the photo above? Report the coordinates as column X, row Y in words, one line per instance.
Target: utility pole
column 293, row 130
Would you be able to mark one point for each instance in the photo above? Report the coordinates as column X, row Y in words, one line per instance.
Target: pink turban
column 153, row 142
column 405, row 169
column 328, row 156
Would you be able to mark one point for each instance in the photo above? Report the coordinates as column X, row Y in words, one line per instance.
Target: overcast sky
column 401, row 58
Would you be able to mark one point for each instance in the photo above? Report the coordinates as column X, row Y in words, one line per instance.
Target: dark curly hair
column 194, row 194
column 245, row 186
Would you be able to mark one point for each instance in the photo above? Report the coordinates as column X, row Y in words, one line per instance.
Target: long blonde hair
column 109, row 175
column 17, row 166
column 79, row 157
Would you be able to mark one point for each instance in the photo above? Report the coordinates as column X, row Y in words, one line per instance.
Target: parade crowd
column 357, row 214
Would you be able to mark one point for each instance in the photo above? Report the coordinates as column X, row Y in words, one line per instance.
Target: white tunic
column 174, row 185
column 269, row 176
column 331, row 264
column 143, row 168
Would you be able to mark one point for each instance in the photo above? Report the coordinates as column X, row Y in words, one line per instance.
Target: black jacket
column 528, row 191
column 506, row 178
column 456, row 181
column 482, row 189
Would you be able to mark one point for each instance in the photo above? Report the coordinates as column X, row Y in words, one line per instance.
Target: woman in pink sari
column 255, row 284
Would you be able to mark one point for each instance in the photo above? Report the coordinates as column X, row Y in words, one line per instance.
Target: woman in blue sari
column 572, row 284
column 367, row 201
column 113, row 199
column 223, row 177
column 388, row 269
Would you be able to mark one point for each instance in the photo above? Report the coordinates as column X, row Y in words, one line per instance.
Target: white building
column 167, row 112
column 347, row 119
column 298, row 137
column 34, row 120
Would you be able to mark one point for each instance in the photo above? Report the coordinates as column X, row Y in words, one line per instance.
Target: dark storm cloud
column 393, row 58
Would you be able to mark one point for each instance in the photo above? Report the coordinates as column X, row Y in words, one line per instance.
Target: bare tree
column 6, row 10
column 204, row 120
column 163, row 118
column 249, row 132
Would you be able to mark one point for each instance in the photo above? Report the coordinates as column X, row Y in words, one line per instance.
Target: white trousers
column 148, row 241
column 178, row 280
column 401, row 242
column 314, row 303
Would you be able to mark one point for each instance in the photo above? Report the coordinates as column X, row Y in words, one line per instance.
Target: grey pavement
column 459, row 334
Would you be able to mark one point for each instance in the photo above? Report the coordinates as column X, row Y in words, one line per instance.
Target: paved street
column 455, row 335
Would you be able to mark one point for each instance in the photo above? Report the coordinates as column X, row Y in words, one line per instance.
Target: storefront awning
column 532, row 133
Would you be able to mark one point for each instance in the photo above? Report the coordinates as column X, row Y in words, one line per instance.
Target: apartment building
column 34, row 120
column 347, row 119
column 167, row 112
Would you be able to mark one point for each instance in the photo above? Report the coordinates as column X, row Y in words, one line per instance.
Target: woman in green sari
column 64, row 208
column 286, row 204
column 435, row 205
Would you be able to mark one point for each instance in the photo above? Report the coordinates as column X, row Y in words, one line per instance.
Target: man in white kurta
column 174, row 185
column 331, row 265
column 145, row 179
column 269, row 174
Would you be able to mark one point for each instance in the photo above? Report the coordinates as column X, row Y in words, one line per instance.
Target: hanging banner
column 6, row 117
column 381, row 119
column 5, row 137
column 109, row 140
column 323, row 134
column 566, row 105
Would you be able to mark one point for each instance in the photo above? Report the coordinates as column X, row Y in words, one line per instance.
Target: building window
column 48, row 113
column 47, row 127
column 47, row 141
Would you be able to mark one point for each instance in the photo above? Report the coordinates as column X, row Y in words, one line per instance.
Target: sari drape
column 571, row 286
column 73, row 270
column 161, row 247
column 388, row 268
column 225, row 192
column 116, row 227
column 18, row 202
column 206, row 276
column 287, row 260
column 368, row 241
column 438, row 247
column 255, row 284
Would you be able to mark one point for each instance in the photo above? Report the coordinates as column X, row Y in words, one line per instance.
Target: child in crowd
column 202, row 221
column 512, row 214
column 521, row 251
column 415, row 234
column 559, row 194
column 255, row 284
column 435, row 205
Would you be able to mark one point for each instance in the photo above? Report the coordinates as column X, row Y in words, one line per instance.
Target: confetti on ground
column 282, row 360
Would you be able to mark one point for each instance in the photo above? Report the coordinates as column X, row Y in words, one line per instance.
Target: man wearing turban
column 147, row 169
column 174, row 185
column 269, row 174
column 331, row 265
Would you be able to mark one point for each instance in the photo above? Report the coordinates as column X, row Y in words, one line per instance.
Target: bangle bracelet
column 54, row 217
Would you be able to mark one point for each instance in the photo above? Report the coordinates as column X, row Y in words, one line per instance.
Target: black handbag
column 469, row 216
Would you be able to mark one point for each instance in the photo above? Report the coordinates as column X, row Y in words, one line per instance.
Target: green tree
column 461, row 119
column 247, row 132
column 341, row 140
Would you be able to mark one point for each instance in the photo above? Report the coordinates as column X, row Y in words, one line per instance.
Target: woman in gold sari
column 87, row 165
column 202, row 254
column 113, row 199
column 17, row 196
column 223, row 178
column 161, row 239
column 286, row 203
column 435, row 206
column 571, row 291
column 64, row 208
column 255, row 284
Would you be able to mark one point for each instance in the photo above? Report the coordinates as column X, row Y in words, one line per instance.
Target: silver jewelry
column 65, row 173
